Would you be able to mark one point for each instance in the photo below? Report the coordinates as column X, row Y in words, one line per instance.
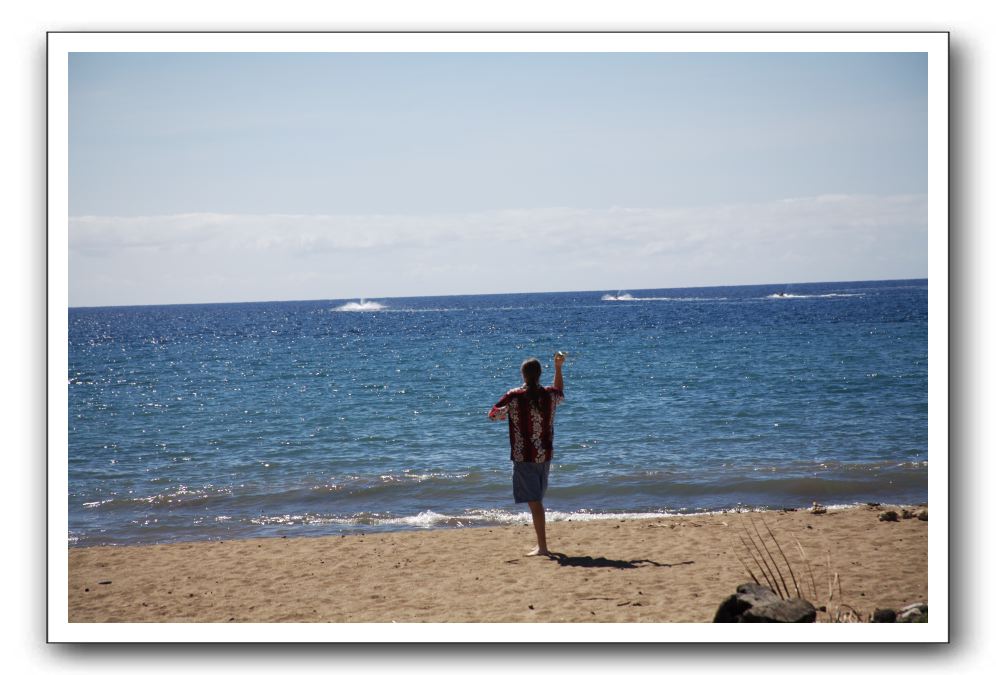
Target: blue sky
column 234, row 177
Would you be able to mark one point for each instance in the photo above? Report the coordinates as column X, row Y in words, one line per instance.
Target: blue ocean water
column 193, row 422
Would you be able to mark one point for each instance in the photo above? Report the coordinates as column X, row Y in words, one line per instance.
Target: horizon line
column 450, row 295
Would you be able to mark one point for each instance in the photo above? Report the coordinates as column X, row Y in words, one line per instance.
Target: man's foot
column 539, row 551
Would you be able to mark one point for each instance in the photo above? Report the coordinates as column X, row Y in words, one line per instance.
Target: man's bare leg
column 539, row 523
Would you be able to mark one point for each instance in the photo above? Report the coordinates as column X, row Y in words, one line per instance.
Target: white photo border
column 61, row 44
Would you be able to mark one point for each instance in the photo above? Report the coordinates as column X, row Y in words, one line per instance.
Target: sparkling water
column 193, row 422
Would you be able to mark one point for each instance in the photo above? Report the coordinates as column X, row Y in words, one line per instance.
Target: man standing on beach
column 530, row 411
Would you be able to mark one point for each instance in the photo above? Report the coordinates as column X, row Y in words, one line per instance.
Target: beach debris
column 789, row 509
column 873, row 506
column 907, row 514
column 884, row 616
column 795, row 603
column 754, row 603
column 915, row 613
column 889, row 517
column 818, row 509
column 922, row 515
column 104, row 582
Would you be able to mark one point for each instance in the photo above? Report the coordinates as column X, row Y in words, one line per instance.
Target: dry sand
column 658, row 570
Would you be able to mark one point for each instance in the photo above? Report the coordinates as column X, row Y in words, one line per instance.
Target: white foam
column 361, row 306
column 583, row 516
column 790, row 296
column 618, row 296
column 408, row 477
column 423, row 519
column 626, row 297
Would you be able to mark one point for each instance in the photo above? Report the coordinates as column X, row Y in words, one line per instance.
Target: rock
column 818, row 508
column 747, row 596
column 795, row 610
column 884, row 616
column 922, row 515
column 889, row 516
column 907, row 514
column 754, row 603
column 914, row 613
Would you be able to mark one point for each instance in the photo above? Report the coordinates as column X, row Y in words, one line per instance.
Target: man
column 530, row 411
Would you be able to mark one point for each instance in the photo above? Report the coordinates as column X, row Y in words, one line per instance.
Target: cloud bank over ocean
column 237, row 257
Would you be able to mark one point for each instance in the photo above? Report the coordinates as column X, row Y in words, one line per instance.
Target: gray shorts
column 529, row 481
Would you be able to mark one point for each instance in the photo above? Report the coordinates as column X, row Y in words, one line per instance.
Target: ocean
column 221, row 421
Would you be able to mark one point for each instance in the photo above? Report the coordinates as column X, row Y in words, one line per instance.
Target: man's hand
column 558, row 376
column 559, row 358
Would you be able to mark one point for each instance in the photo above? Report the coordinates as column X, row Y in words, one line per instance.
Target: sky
column 213, row 177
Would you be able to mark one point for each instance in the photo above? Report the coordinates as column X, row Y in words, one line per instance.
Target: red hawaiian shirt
column 530, row 427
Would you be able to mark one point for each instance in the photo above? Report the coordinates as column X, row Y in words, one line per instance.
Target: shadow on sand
column 588, row 561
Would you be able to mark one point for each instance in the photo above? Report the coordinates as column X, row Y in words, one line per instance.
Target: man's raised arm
column 558, row 376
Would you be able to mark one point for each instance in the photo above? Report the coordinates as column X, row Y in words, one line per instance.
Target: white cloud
column 211, row 256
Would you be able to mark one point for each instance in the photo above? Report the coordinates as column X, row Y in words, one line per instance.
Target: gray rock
column 912, row 613
column 884, row 616
column 922, row 515
column 795, row 610
column 762, row 593
column 754, row 603
column 889, row 516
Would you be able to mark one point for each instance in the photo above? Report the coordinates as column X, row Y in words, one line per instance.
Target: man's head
column 531, row 371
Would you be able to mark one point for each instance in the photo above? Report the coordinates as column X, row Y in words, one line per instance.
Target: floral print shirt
column 530, row 426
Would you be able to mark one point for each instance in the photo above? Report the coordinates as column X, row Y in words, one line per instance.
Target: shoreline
column 432, row 521
column 614, row 569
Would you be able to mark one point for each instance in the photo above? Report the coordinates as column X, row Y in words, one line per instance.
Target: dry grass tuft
column 775, row 570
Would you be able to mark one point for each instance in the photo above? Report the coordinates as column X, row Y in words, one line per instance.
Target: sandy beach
column 668, row 569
